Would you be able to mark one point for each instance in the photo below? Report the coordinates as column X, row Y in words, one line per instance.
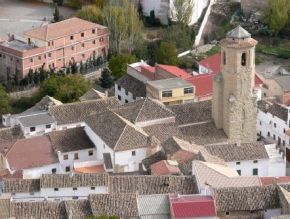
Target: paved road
column 17, row 16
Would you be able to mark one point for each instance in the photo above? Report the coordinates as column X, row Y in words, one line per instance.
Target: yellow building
column 171, row 91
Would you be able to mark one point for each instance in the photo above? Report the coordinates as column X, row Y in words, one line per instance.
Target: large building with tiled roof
column 54, row 46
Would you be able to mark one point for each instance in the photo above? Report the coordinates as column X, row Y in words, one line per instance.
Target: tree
column 118, row 64
column 56, row 15
column 5, row 101
column 166, row 54
column 65, row 88
column 276, row 15
column 182, row 11
column 106, row 78
column 91, row 13
column 58, row 2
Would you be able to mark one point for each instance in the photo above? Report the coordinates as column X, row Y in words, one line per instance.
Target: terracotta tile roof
column 152, row 184
column 144, row 110
column 203, row 134
column 203, row 84
column 46, row 209
column 10, row 134
column 213, row 63
column 21, row 185
column 164, row 167
column 274, row 180
column 275, row 109
column 218, row 176
column 77, row 112
column 38, row 149
column 73, row 180
column 174, row 71
column 63, row 28
column 92, row 94
column 232, row 152
column 4, row 208
column 78, row 209
column 73, row 139
column 193, row 206
column 91, row 169
column 121, row 205
column 133, row 85
column 154, row 158
column 117, row 133
column 163, row 131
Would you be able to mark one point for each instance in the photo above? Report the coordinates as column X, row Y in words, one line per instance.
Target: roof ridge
column 116, row 145
column 140, row 110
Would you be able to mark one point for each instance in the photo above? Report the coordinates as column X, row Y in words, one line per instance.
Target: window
column 72, row 48
column 93, row 31
column 48, row 126
column 53, row 170
column 239, row 172
column 93, row 188
column 167, row 93
column 238, row 163
column 126, row 101
column 133, row 153
column 255, row 172
column 94, row 41
column 91, row 153
column 32, row 129
column 65, row 157
column 224, row 58
column 269, row 134
column 275, row 125
column 31, row 59
column 119, row 97
column 274, row 137
column 76, row 156
column 83, row 45
column 188, row 90
column 0, row 55
column 49, row 54
column 284, row 130
column 75, row 197
column 56, row 189
column 260, row 122
column 82, row 34
column 39, row 57
column 227, row 213
column 255, row 161
column 284, row 143
column 75, row 188
column 126, row 92
column 244, row 59
column 48, row 43
column 67, row 169
column 71, row 37
column 119, row 87
column 83, row 55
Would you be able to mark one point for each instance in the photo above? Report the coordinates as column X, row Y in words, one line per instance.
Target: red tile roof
column 31, row 152
column 175, row 71
column 163, row 167
column 192, row 206
column 213, row 63
column 273, row 180
column 203, row 84
column 91, row 169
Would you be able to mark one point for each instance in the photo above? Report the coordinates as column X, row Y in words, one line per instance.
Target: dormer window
column 244, row 59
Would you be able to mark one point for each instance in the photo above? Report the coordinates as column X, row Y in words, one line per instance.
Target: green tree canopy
column 4, row 101
column 277, row 15
column 166, row 54
column 183, row 11
column 65, row 88
column 118, row 64
column 56, row 14
column 91, row 13
column 106, row 79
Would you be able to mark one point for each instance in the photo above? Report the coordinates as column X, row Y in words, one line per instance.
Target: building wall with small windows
column 251, row 167
column 123, row 95
column 35, row 173
column 67, row 159
column 37, row 130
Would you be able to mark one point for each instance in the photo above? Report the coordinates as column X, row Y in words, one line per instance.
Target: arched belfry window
column 244, row 59
column 224, row 58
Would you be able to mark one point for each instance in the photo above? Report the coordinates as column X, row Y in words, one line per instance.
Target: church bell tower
column 234, row 101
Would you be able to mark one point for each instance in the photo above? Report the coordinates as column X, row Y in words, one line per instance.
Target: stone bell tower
column 234, row 102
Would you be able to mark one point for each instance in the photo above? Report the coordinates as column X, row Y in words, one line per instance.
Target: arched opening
column 224, row 58
column 244, row 59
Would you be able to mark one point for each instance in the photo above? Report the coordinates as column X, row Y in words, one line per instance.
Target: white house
column 273, row 123
column 164, row 9
column 124, row 144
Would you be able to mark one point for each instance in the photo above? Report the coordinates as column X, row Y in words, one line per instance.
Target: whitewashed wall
column 35, row 173
column 123, row 95
column 247, row 167
column 128, row 161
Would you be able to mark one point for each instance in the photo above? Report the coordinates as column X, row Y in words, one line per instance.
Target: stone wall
column 249, row 6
